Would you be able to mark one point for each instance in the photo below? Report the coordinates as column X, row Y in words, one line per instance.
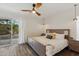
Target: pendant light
column 75, row 18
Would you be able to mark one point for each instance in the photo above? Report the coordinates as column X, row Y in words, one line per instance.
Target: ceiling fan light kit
column 33, row 12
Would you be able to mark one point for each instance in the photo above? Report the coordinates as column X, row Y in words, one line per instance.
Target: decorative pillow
column 43, row 34
column 53, row 35
column 49, row 36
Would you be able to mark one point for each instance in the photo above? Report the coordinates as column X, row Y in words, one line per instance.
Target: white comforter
column 53, row 46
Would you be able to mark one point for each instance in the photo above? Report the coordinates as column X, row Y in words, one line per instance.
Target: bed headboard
column 60, row 31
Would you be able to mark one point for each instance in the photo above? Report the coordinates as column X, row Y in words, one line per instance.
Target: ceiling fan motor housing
column 33, row 5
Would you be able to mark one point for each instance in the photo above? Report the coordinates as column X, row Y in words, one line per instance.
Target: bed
column 45, row 47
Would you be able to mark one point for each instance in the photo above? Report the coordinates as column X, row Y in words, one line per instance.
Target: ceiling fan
column 34, row 9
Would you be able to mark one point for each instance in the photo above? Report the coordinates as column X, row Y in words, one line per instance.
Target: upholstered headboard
column 60, row 31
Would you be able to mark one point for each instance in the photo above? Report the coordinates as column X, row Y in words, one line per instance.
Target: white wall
column 30, row 23
column 32, row 26
column 62, row 21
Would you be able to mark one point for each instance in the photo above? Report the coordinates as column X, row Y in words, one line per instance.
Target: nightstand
column 74, row 45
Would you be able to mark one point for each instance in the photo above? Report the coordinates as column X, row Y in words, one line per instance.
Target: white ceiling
column 47, row 9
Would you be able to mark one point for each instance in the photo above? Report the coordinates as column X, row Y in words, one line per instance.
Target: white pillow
column 60, row 36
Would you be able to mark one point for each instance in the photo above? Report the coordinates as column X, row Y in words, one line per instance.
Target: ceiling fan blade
column 35, row 7
column 37, row 13
column 27, row 10
column 38, row 5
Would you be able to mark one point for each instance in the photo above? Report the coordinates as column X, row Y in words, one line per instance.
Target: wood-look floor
column 67, row 52
column 25, row 50
column 17, row 50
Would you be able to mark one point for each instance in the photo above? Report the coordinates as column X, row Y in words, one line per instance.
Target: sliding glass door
column 8, row 31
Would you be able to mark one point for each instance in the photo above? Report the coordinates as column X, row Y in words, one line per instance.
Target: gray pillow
column 49, row 36
column 43, row 34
